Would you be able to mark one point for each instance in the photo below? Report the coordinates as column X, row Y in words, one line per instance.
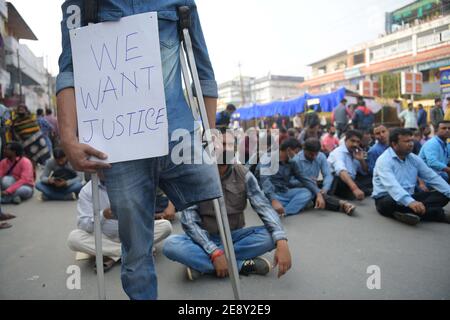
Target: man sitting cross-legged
column 312, row 162
column 82, row 239
column 201, row 250
column 287, row 199
column 58, row 180
column 394, row 181
column 350, row 169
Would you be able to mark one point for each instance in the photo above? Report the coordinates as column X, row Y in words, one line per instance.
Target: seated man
column 395, row 178
column 436, row 151
column 312, row 163
column 58, row 180
column 351, row 179
column 329, row 141
column 287, row 199
column 201, row 249
column 382, row 137
column 83, row 240
column 16, row 173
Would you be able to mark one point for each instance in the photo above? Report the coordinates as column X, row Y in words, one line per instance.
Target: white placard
column 121, row 106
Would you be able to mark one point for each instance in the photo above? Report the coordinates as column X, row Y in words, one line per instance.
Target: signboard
column 313, row 102
column 445, row 77
column 352, row 73
column 369, row 88
column 119, row 88
column 412, row 83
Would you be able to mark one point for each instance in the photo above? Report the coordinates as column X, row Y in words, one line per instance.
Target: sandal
column 348, row 208
column 6, row 216
column 108, row 263
column 5, row 225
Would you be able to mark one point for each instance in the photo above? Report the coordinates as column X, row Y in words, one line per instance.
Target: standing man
column 224, row 117
column 422, row 118
column 363, row 118
column 436, row 152
column 298, row 123
column 437, row 114
column 409, row 118
column 395, row 177
column 132, row 185
column 341, row 117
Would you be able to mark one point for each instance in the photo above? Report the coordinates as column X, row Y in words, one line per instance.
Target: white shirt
column 410, row 119
column 110, row 228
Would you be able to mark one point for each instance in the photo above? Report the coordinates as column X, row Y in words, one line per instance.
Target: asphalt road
column 331, row 254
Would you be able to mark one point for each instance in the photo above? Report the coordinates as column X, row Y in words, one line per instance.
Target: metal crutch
column 98, row 238
column 219, row 204
column 91, row 17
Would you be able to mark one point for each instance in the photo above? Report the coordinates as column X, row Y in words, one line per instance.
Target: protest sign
column 121, row 106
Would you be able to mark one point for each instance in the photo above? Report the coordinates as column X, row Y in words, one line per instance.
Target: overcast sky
column 281, row 37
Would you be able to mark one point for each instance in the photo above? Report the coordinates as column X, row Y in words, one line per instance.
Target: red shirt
column 329, row 143
column 22, row 172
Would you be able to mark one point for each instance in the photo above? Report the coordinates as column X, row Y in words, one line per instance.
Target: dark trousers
column 433, row 201
column 340, row 189
column 332, row 203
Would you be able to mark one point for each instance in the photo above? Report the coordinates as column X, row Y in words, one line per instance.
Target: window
column 359, row 58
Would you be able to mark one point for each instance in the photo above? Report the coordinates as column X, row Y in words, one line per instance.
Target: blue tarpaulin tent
column 291, row 107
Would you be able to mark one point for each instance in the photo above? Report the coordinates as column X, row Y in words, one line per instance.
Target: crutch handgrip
column 184, row 15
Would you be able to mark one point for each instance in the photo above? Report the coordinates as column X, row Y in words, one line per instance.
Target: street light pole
column 20, row 77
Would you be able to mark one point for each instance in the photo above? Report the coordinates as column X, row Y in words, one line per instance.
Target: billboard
column 445, row 76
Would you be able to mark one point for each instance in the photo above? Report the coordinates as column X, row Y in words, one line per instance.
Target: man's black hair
column 58, row 153
column 344, row 101
column 290, row 143
column 39, row 112
column 437, row 100
column 231, row 107
column 394, row 135
column 16, row 147
column 312, row 144
column 353, row 133
column 48, row 111
column 443, row 122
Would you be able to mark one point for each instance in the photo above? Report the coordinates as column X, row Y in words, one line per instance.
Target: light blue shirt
column 312, row 169
column 342, row 160
column 398, row 178
column 436, row 154
column 373, row 154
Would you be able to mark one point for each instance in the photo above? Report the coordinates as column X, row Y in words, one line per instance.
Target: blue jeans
column 131, row 190
column 24, row 192
column 53, row 193
column 294, row 200
column 248, row 243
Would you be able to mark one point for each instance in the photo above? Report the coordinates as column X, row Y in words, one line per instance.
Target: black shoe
column 258, row 265
column 407, row 218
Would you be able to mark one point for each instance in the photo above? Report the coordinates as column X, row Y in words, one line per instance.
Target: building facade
column 420, row 46
column 258, row 90
column 23, row 77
